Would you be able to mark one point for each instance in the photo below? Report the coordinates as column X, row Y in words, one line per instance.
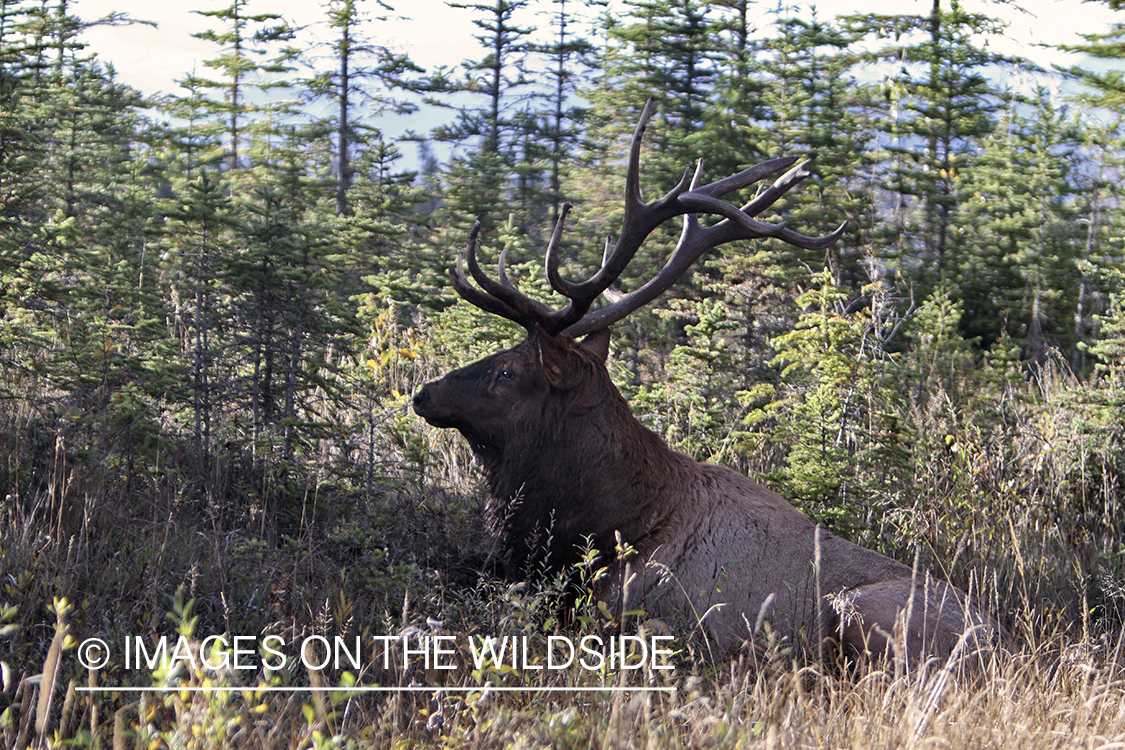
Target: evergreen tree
column 20, row 150
column 835, row 415
column 817, row 110
column 1109, row 350
column 812, row 107
column 696, row 405
column 1018, row 260
column 669, row 53
column 1100, row 196
column 736, row 116
column 388, row 232
column 198, row 242
column 941, row 104
column 192, row 139
column 246, row 40
column 568, row 54
column 351, row 83
column 1108, row 86
column 478, row 183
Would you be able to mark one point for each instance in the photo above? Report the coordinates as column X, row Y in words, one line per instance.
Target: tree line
column 228, row 293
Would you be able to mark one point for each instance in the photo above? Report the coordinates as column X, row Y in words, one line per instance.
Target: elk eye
column 506, row 374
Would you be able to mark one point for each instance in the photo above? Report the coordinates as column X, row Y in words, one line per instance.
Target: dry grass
column 1028, row 513
column 1049, row 697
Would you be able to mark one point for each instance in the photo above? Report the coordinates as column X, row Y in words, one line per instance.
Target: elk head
column 544, row 417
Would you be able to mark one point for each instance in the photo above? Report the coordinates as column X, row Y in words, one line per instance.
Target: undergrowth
column 384, row 541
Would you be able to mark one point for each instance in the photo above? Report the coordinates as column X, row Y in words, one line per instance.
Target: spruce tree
column 736, row 132
column 1108, row 85
column 1097, row 203
column 249, row 55
column 816, row 109
column 479, row 180
column 362, row 75
column 20, row 150
column 940, row 103
column 197, row 243
column 569, row 55
column 1017, row 262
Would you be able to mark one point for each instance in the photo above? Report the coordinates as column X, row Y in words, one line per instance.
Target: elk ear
column 597, row 343
column 552, row 357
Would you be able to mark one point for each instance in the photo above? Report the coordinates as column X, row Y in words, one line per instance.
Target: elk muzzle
column 427, row 406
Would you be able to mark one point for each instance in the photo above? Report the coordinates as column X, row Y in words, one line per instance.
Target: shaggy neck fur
column 584, row 468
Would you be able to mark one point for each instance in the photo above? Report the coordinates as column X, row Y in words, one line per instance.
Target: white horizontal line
column 373, row 689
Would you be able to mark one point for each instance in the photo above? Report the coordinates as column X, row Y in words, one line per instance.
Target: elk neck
column 584, row 469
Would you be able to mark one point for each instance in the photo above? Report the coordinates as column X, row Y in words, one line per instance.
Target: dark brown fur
column 567, row 461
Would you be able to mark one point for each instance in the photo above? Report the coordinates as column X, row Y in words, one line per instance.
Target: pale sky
column 152, row 59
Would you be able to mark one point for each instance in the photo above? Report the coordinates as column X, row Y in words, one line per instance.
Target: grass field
column 93, row 545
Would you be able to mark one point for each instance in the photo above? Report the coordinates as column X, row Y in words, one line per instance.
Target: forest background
column 217, row 303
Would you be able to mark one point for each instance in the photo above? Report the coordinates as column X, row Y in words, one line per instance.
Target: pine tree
column 569, row 55
column 197, row 243
column 20, row 150
column 941, row 105
column 351, row 83
column 192, row 139
column 386, row 230
column 669, row 53
column 246, row 39
column 479, row 182
column 1109, row 350
column 1099, row 198
column 1108, row 86
column 1019, row 257
column 816, row 109
column 83, row 320
column 835, row 417
column 736, row 132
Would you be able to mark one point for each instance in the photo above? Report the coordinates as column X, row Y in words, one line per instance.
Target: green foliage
column 211, row 328
column 695, row 405
column 248, row 49
column 938, row 103
column 835, row 412
column 1021, row 232
column 1108, row 85
column 1109, row 350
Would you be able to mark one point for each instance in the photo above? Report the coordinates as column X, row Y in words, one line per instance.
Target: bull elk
column 568, row 464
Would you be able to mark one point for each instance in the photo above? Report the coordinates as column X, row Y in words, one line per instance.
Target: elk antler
column 687, row 199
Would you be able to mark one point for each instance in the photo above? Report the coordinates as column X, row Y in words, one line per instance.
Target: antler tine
column 633, row 171
column 698, row 176
column 743, row 227
column 621, row 304
column 780, row 187
column 502, row 298
column 639, row 221
column 609, row 292
column 499, row 290
column 501, row 273
column 746, row 177
column 552, row 261
column 474, row 296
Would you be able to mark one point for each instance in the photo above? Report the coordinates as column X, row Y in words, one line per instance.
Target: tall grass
column 386, row 537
